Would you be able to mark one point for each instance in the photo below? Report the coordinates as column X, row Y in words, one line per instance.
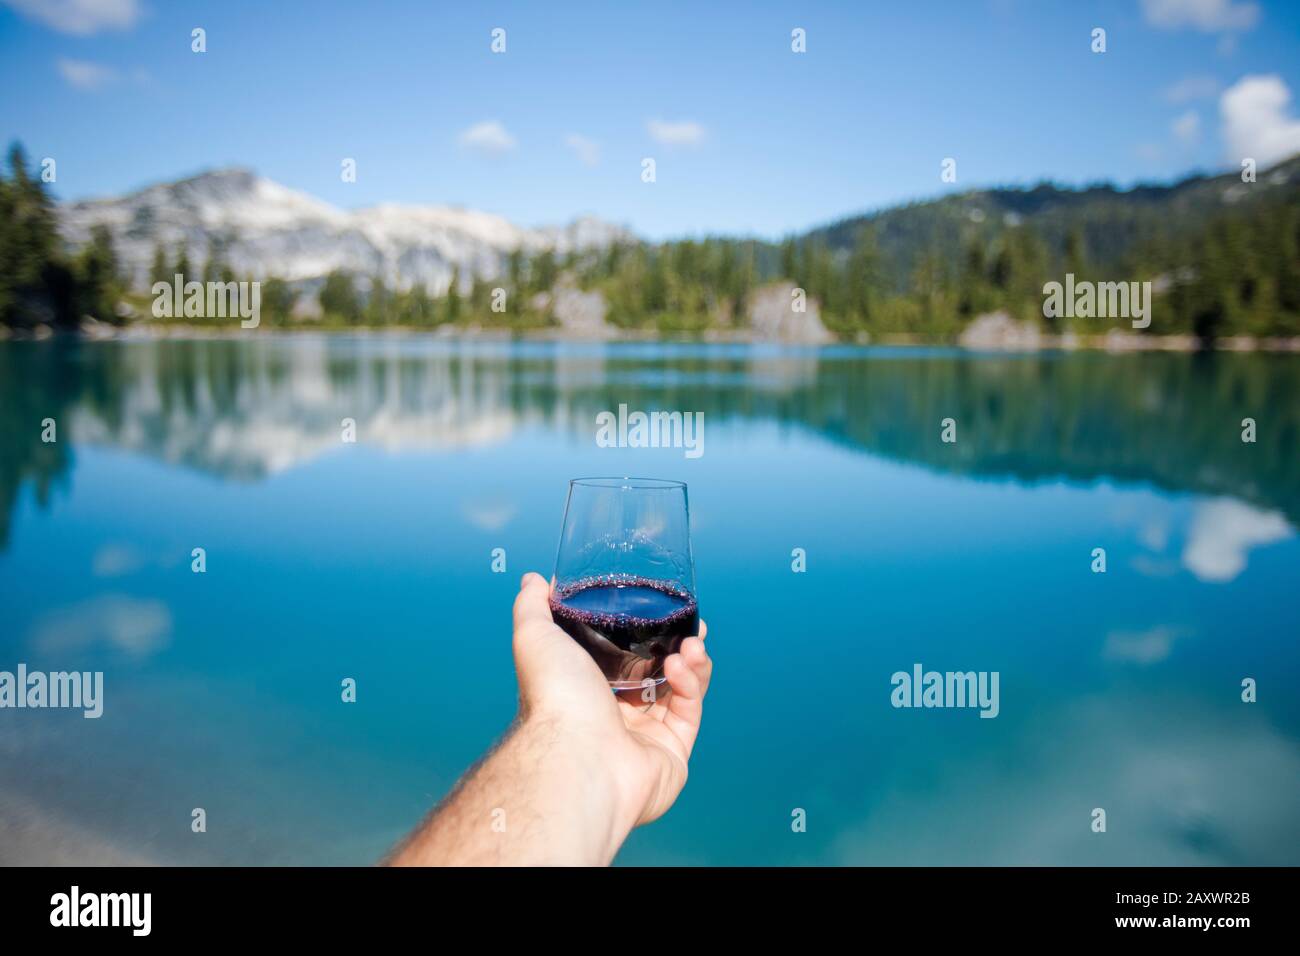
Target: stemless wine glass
column 624, row 584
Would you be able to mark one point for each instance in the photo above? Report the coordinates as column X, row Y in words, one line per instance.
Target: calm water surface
column 371, row 560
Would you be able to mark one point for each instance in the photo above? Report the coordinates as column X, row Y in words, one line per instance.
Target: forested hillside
column 1223, row 256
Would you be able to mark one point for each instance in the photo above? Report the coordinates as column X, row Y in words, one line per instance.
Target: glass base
column 644, row 693
column 619, row 685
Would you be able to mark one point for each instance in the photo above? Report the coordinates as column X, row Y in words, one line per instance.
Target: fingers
column 698, row 658
column 532, row 619
column 688, row 673
column 532, row 605
column 555, row 673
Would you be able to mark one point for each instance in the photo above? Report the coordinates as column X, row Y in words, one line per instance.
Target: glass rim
column 634, row 484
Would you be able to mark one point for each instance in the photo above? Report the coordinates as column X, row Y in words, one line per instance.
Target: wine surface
column 629, row 625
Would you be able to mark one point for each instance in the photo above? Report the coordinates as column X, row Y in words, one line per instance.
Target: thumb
column 532, row 606
column 552, row 668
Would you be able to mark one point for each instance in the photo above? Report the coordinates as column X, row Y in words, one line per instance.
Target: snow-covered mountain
column 264, row 229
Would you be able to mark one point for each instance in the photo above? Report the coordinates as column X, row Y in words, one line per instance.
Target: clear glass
column 624, row 582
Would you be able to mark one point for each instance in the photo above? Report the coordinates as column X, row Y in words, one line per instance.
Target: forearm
column 544, row 797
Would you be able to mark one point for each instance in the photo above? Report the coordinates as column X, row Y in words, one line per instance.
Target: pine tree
column 378, row 303
column 1076, row 260
column 419, row 307
column 863, row 277
column 480, row 297
column 32, row 221
column 972, row 288
column 543, row 273
column 277, row 301
column 656, row 286
column 789, row 263
column 158, row 271
column 819, row 276
column 338, row 297
column 453, row 296
column 99, row 286
column 34, row 281
column 515, row 270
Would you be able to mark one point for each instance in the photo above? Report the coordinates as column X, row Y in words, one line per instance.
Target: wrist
column 596, row 769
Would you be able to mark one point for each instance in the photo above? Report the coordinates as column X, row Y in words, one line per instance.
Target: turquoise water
column 373, row 560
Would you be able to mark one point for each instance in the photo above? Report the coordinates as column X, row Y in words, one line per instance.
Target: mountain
column 261, row 228
column 1112, row 226
column 1223, row 256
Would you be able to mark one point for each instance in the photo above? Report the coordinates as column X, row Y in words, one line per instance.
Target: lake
column 328, row 559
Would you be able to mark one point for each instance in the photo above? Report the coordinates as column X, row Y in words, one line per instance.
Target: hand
column 646, row 749
column 578, row 770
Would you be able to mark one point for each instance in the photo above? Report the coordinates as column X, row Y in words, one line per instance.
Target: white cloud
column 1223, row 531
column 1208, row 16
column 488, row 137
column 588, row 152
column 1191, row 88
column 684, row 133
column 134, row 626
column 80, row 17
column 1187, row 127
column 85, row 75
column 1150, row 152
column 1257, row 122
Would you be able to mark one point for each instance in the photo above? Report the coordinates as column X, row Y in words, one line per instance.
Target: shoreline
column 1115, row 341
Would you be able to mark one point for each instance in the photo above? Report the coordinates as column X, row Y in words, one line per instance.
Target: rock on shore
column 773, row 319
column 998, row 330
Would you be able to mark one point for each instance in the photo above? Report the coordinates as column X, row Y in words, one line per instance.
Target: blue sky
column 748, row 137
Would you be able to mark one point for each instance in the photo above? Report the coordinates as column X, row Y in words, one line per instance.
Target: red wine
column 628, row 624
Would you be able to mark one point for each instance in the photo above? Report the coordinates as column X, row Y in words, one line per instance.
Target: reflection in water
column 245, row 409
column 1144, row 647
column 1223, row 532
column 1119, row 690
column 122, row 623
column 488, row 514
column 115, row 560
column 1167, row 803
